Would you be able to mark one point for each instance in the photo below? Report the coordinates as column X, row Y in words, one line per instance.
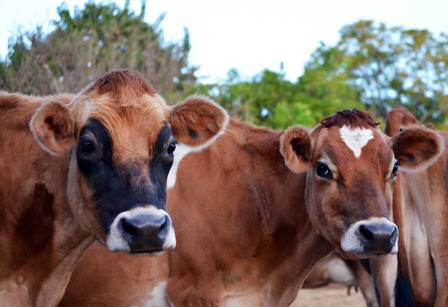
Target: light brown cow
column 351, row 273
column 245, row 235
column 421, row 212
column 92, row 167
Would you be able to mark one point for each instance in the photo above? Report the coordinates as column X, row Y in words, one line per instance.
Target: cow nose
column 145, row 233
column 378, row 238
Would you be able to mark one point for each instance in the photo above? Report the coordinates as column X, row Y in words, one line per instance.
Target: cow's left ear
column 53, row 126
column 295, row 147
column 417, row 148
column 197, row 121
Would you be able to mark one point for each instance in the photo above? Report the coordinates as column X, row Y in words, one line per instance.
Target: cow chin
column 141, row 230
column 370, row 238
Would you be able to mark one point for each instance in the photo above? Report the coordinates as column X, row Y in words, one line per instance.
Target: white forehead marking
column 356, row 138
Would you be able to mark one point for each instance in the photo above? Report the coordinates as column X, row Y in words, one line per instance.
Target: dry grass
column 330, row 296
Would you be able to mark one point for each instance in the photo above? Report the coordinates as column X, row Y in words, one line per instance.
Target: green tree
column 393, row 65
column 88, row 43
column 322, row 89
column 253, row 100
column 371, row 67
column 270, row 99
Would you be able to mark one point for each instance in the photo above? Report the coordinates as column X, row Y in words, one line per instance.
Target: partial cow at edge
column 94, row 165
column 421, row 211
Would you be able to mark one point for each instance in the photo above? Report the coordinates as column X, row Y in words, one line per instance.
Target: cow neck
column 308, row 248
column 44, row 241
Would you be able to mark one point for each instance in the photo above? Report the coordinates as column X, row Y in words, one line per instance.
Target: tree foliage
column 256, row 100
column 393, row 65
column 270, row 99
column 88, row 43
column 323, row 88
column 371, row 67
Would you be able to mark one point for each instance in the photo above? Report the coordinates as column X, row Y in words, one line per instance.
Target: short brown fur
column 243, row 228
column 236, row 208
column 48, row 216
column 421, row 215
column 120, row 83
column 16, row 112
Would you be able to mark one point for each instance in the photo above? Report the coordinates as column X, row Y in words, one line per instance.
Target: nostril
column 163, row 223
column 128, row 227
column 366, row 233
column 393, row 235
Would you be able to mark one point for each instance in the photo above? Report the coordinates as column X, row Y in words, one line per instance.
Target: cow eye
column 394, row 170
column 86, row 146
column 323, row 171
column 171, row 148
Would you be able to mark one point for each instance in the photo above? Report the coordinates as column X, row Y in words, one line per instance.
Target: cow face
column 121, row 136
column 350, row 167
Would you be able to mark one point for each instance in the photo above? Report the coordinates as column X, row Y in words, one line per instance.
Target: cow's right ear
column 197, row 121
column 53, row 126
column 295, row 147
column 417, row 148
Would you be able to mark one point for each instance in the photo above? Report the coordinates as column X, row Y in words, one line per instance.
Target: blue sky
column 249, row 35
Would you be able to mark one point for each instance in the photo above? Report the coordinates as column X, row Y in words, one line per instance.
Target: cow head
column 350, row 168
column 120, row 137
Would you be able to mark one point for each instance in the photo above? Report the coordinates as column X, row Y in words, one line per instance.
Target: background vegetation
column 371, row 67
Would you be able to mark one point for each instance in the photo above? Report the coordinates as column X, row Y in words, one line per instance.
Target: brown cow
column 245, row 233
column 98, row 169
column 422, row 216
column 330, row 269
column 334, row 269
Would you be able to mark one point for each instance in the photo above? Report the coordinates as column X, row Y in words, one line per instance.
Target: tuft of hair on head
column 352, row 118
column 118, row 82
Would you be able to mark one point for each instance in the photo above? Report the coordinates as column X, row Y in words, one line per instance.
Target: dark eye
column 171, row 148
column 86, row 146
column 323, row 171
column 394, row 170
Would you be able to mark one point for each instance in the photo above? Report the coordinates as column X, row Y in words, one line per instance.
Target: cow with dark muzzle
column 98, row 170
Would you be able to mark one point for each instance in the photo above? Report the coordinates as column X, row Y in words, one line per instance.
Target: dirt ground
column 330, row 296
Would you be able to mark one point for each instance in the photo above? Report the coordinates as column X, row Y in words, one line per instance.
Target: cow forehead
column 110, row 107
column 355, row 138
column 133, row 123
column 344, row 145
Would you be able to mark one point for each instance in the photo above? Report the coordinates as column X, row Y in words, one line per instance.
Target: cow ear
column 431, row 126
column 295, row 147
column 417, row 148
column 198, row 121
column 53, row 126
